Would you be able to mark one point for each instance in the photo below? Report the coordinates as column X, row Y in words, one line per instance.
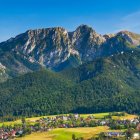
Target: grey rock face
column 87, row 42
column 53, row 47
column 48, row 47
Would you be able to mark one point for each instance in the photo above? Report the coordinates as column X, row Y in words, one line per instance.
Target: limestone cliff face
column 120, row 42
column 48, row 47
column 56, row 47
column 87, row 42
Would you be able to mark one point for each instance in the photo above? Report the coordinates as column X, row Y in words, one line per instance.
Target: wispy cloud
column 130, row 22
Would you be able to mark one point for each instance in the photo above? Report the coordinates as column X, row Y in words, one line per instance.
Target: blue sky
column 105, row 16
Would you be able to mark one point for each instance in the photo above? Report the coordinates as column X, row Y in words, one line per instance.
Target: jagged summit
column 56, row 48
column 84, row 27
column 130, row 37
column 108, row 36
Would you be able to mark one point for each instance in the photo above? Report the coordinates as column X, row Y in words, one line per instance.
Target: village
column 118, row 128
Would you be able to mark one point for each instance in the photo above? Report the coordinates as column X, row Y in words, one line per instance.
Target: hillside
column 106, row 84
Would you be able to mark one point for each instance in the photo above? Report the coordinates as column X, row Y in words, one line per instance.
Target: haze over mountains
column 83, row 67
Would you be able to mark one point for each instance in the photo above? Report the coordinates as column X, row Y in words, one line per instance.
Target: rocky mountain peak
column 84, row 28
column 47, row 46
column 108, row 36
column 56, row 47
column 130, row 37
column 86, row 41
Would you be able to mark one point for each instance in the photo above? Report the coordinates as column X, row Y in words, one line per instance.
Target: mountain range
column 51, row 71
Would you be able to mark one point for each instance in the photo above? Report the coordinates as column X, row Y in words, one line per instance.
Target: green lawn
column 97, row 115
column 66, row 133
column 10, row 123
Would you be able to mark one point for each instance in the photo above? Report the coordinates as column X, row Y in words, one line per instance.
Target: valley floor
column 68, row 125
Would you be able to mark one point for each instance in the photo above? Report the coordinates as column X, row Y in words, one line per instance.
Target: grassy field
column 10, row 123
column 126, row 117
column 66, row 133
column 97, row 116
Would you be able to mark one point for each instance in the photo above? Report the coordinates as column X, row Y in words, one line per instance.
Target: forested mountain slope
column 105, row 84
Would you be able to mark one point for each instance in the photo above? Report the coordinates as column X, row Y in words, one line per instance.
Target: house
column 76, row 116
column 1, row 136
column 134, row 121
column 136, row 136
column 114, row 134
column 138, row 127
column 5, row 136
column 13, row 133
column 65, row 118
column 103, row 122
column 20, row 132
